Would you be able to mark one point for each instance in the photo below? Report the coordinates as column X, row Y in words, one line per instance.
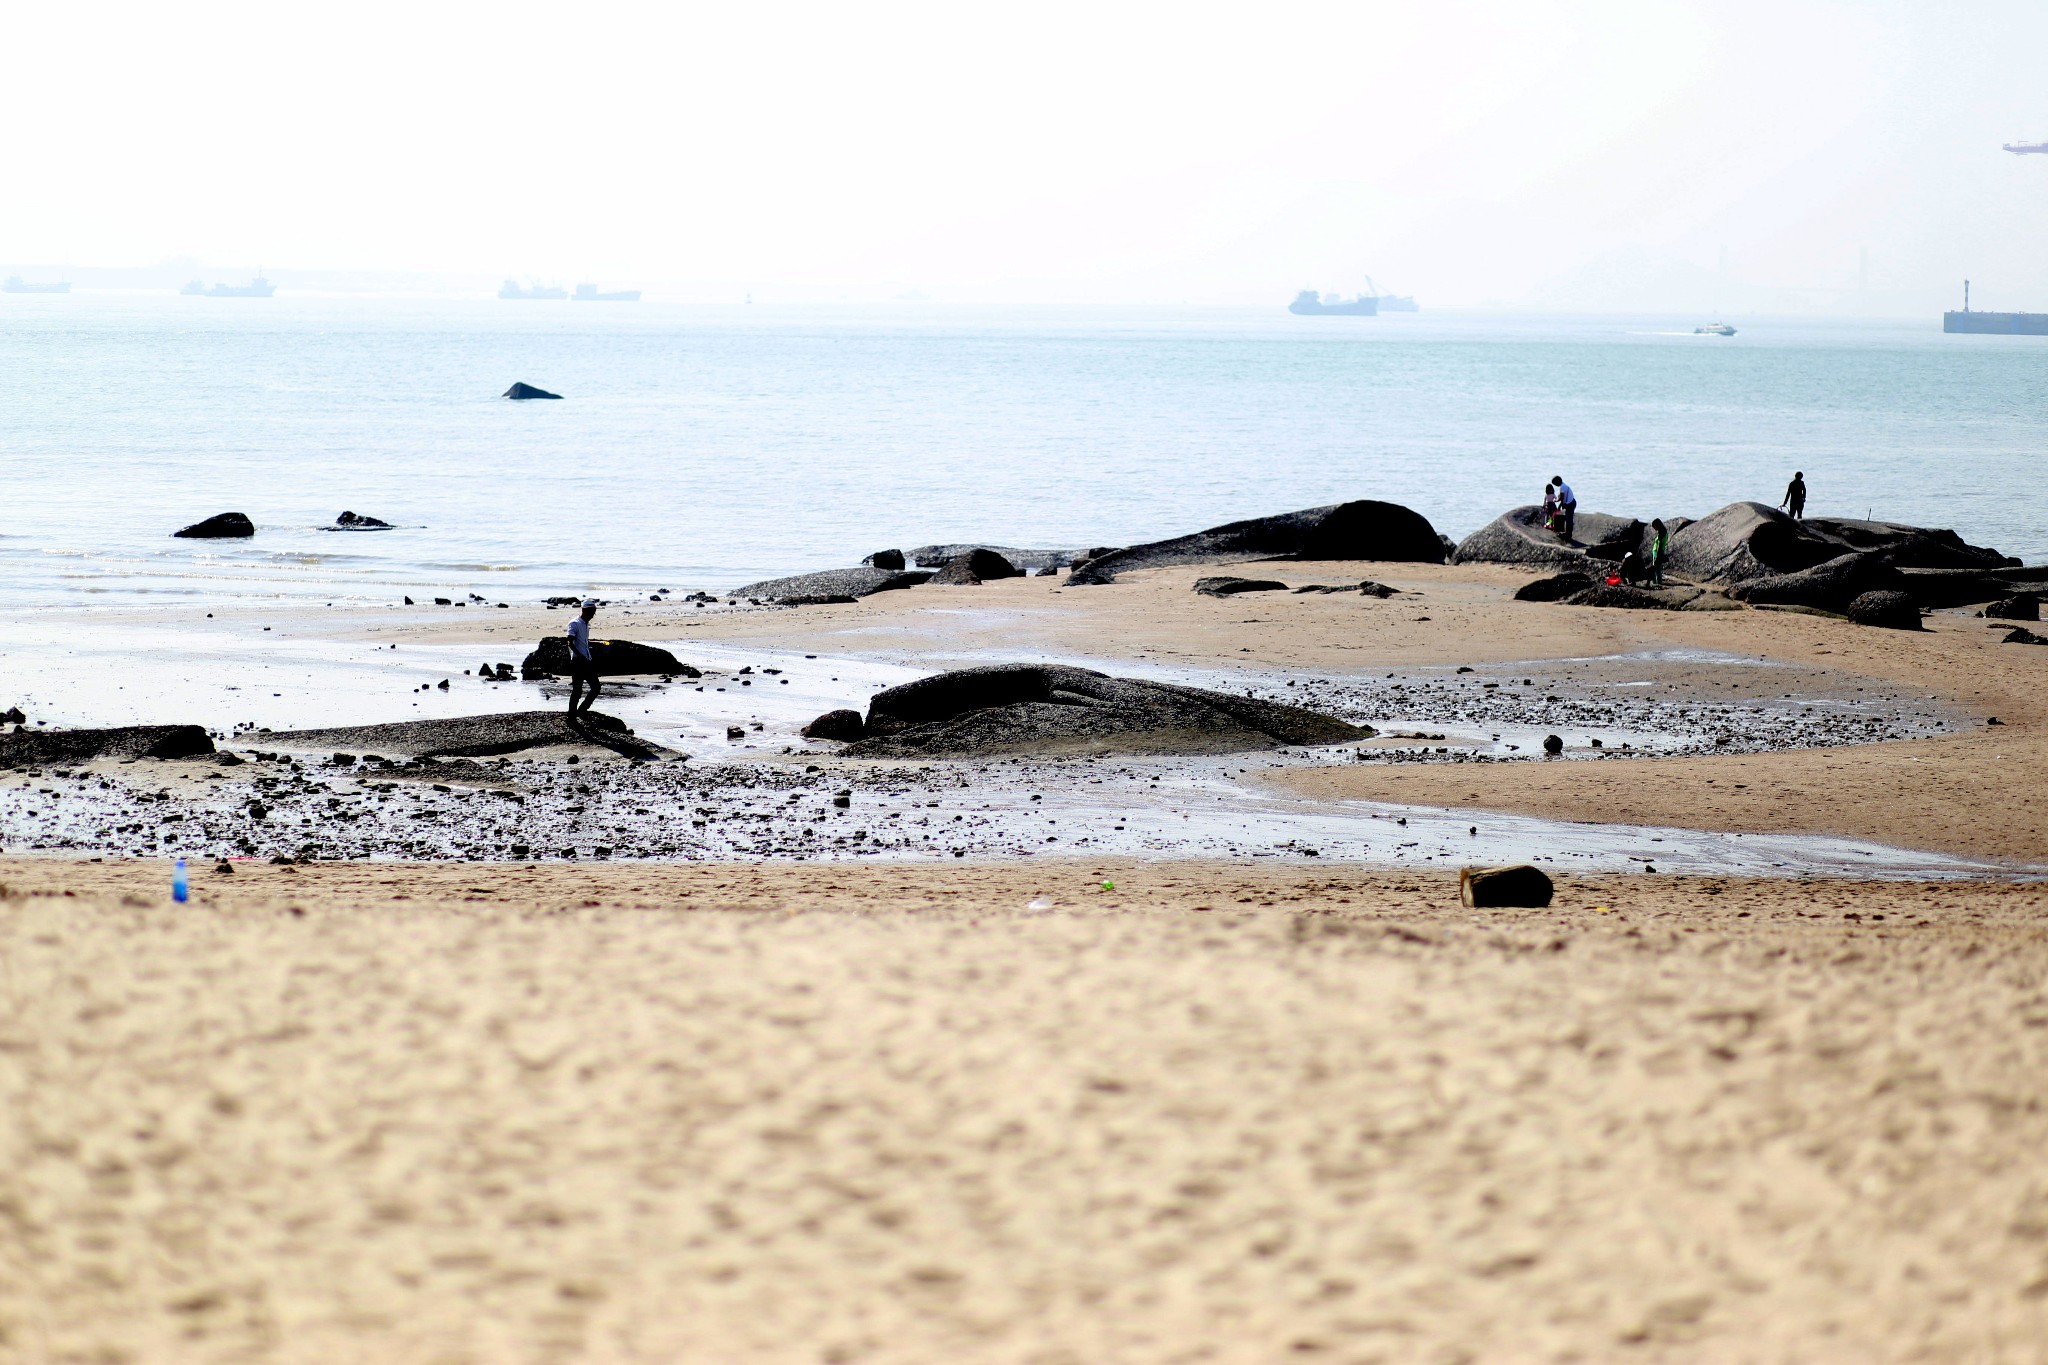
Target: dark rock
column 2024, row 607
column 1049, row 709
column 1622, row 596
column 362, row 523
column 1829, row 586
column 975, row 566
column 1555, row 588
column 13, row 716
column 1553, row 745
column 474, row 736
column 1048, row 571
column 1747, row 540
column 614, row 658
column 885, row 559
column 1020, row 561
column 842, row 725
column 38, row 748
column 830, row 584
column 226, row 526
column 1490, row 888
column 735, row 732
column 956, row 574
column 1520, row 537
column 523, row 391
column 2020, row 635
column 1351, row 530
column 1230, row 587
column 1891, row 610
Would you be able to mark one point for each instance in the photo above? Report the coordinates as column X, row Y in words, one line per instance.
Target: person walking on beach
column 1566, row 503
column 582, row 663
column 1795, row 495
column 1660, row 545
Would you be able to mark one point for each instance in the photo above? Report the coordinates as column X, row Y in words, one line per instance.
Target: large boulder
column 843, row 726
column 830, row 584
column 42, row 748
column 1891, row 610
column 1489, row 888
column 226, row 526
column 506, row 732
column 976, row 566
column 1829, row 586
column 614, row 658
column 1747, row 540
column 1020, row 561
column 523, row 391
column 1519, row 537
column 891, row 560
column 1053, row 709
column 1365, row 530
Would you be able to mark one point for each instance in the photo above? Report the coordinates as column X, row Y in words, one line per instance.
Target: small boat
column 15, row 284
column 1713, row 329
column 588, row 293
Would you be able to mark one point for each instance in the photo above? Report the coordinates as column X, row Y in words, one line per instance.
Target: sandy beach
column 871, row 1106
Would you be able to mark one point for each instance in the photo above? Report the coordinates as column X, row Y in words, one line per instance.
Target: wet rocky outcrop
column 523, row 391
column 1363, row 530
column 507, row 732
column 1052, row 709
column 830, row 585
column 226, row 526
column 613, row 658
column 41, row 748
column 1747, row 540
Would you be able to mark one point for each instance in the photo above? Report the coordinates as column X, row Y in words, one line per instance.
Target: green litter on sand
column 1109, row 886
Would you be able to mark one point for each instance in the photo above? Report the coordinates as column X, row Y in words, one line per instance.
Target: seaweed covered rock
column 614, row 658
column 1363, row 530
column 39, row 748
column 1053, row 709
column 1890, row 610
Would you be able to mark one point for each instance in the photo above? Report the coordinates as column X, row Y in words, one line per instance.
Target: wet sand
column 1290, row 1108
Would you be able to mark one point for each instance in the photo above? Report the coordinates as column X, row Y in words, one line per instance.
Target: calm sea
column 703, row 448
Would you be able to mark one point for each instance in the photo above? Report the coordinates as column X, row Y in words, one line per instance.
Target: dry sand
column 502, row 1112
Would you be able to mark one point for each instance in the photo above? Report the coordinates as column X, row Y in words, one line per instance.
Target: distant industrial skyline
column 1805, row 155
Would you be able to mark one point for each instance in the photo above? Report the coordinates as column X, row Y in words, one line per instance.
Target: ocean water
column 704, row 448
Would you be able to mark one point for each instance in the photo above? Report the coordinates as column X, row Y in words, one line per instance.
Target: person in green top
column 1660, row 545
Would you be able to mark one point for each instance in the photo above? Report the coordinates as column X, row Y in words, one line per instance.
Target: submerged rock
column 226, row 526
column 37, row 748
column 522, row 391
column 1230, row 587
column 1052, row 709
column 474, row 736
column 1352, row 530
column 830, row 584
column 614, row 658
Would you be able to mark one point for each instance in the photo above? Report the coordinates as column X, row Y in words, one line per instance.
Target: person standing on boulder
column 582, row 663
column 1566, row 504
column 1795, row 495
column 1660, row 545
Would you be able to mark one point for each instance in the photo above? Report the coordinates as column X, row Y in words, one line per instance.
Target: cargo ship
column 588, row 293
column 1308, row 303
column 15, row 284
column 258, row 288
column 1994, row 324
column 512, row 290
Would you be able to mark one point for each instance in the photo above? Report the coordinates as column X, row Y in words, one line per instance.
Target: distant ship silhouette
column 512, row 290
column 588, row 293
column 258, row 288
column 15, row 284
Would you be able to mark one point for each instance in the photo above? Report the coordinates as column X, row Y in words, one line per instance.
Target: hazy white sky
column 1588, row 154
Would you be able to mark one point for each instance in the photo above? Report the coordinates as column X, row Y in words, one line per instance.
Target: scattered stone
column 735, row 732
column 1553, row 745
column 842, row 798
column 1493, row 888
column 1230, row 587
column 226, row 526
column 1353, row 530
column 13, row 716
column 523, row 391
column 842, row 725
column 1890, row 610
column 39, row 748
column 1047, row 709
column 2020, row 635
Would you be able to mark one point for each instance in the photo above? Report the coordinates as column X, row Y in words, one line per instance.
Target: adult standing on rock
column 582, row 663
column 1567, row 504
column 1795, row 495
column 1660, row 546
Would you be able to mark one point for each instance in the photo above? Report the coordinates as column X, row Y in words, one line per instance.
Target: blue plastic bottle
column 179, row 891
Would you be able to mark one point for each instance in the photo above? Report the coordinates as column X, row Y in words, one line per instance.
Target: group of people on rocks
column 1560, row 515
